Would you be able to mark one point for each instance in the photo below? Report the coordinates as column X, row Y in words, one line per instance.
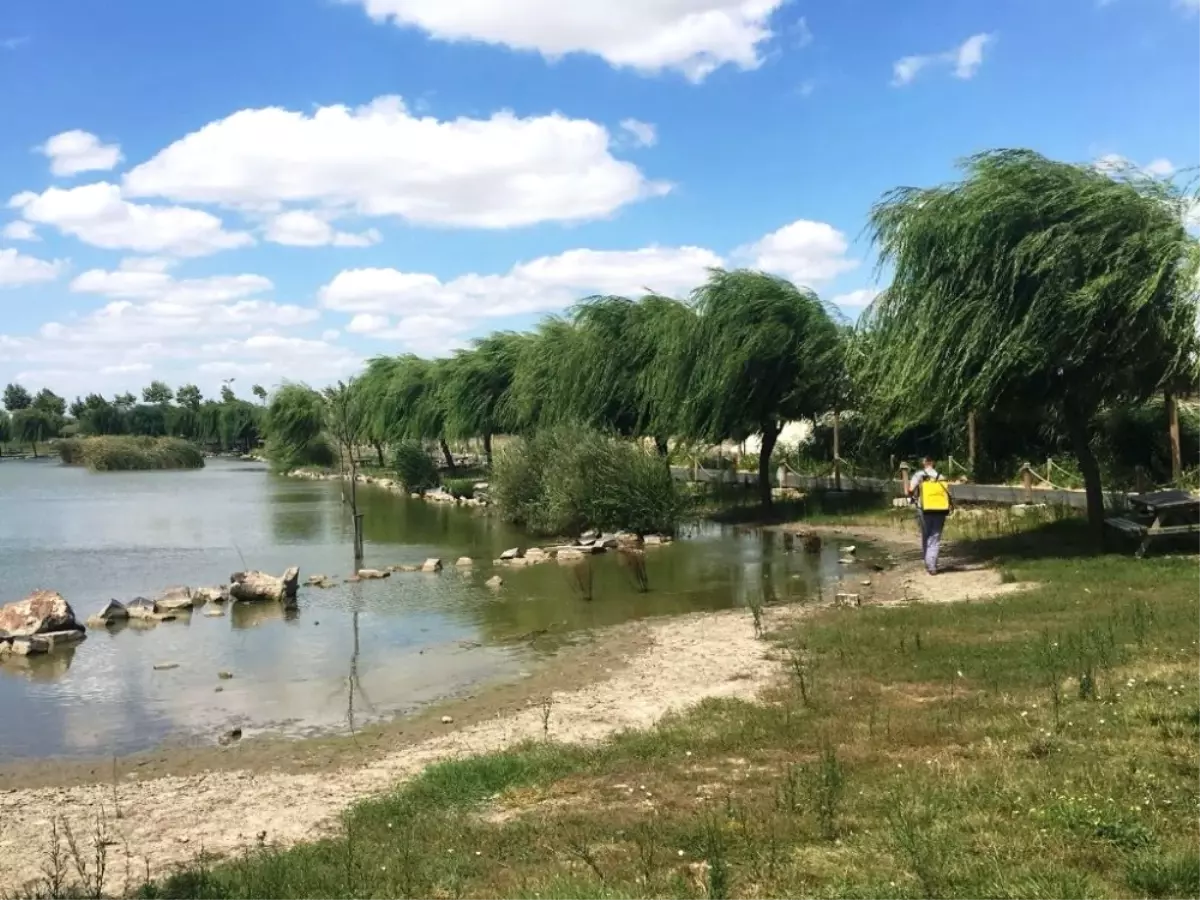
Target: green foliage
column 49, row 402
column 34, row 426
column 6, row 433
column 564, row 480
column 460, row 487
column 158, row 393
column 414, row 466
column 121, row 453
column 295, row 421
column 16, row 398
column 476, row 385
column 188, row 396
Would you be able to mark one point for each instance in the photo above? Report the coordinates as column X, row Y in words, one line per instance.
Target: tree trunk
column 770, row 434
column 33, row 444
column 379, row 452
column 446, row 453
column 663, row 449
column 1077, row 432
column 837, row 450
column 487, row 449
column 1173, row 428
column 972, row 444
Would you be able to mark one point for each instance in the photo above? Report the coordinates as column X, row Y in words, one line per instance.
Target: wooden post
column 1027, row 481
column 1173, row 428
column 837, row 451
column 903, row 479
column 971, row 438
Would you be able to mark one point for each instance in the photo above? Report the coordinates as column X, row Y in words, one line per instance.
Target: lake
column 412, row 639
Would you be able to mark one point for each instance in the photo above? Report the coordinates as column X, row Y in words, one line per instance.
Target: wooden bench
column 1164, row 513
column 1127, row 526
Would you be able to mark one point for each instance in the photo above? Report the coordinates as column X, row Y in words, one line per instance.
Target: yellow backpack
column 935, row 496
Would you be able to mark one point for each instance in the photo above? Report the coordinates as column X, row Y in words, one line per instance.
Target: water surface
column 406, row 641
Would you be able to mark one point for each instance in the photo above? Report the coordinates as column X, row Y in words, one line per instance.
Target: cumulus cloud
column 643, row 134
column 302, row 228
column 72, row 152
column 149, row 281
column 693, row 37
column 805, row 252
column 1116, row 164
column 421, row 310
column 964, row 60
column 19, row 270
column 854, row 302
column 97, row 214
column 381, row 160
column 20, row 231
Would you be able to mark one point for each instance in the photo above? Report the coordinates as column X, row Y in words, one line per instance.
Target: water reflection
column 45, row 667
column 356, row 651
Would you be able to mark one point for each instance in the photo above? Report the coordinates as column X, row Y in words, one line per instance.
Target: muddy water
column 369, row 650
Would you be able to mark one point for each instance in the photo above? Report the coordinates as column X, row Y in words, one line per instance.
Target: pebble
column 162, row 667
column 225, row 676
column 447, row 720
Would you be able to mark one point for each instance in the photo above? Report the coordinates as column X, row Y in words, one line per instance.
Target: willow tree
column 761, row 352
column 1032, row 284
column 474, row 389
column 295, row 422
column 372, row 389
column 543, row 384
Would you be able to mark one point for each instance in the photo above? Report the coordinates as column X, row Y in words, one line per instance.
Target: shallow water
column 408, row 640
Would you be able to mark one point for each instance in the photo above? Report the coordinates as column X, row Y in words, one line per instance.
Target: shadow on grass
column 1063, row 538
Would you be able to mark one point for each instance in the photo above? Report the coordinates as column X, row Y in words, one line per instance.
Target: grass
column 922, row 751
column 122, row 453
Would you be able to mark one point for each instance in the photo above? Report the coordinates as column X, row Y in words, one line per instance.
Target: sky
column 277, row 190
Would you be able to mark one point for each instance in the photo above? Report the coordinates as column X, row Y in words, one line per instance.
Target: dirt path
column 156, row 823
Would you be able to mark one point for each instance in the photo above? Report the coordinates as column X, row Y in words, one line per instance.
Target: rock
column 370, row 574
column 849, row 549
column 569, row 554
column 464, row 562
column 494, row 582
column 480, row 486
column 352, row 579
column 204, row 595
column 590, row 535
column 56, row 639
column 536, row 554
column 316, row 579
column 654, row 540
column 847, row 599
column 253, row 586
column 114, row 611
column 163, row 667
column 214, row 612
column 174, row 599
column 847, row 561
column 514, row 553
column 608, row 543
column 140, row 608
column 431, row 565
column 230, row 736
column 447, row 720
column 224, row 676
column 866, row 582
column 22, row 646
column 40, row 612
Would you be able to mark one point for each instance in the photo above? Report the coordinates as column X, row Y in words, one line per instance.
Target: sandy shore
column 156, row 822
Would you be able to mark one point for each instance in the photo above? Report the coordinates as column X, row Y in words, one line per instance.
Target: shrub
column 125, row 453
column 565, row 480
column 460, row 487
column 414, row 466
column 317, row 452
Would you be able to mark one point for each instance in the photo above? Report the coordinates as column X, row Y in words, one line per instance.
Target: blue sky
column 279, row 189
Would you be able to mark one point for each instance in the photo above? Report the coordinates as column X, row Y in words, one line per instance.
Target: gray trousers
column 931, row 524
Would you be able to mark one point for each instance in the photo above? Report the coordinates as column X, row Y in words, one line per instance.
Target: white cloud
column 643, row 133
column 1161, row 167
column 140, row 280
column 302, row 228
column 20, row 231
column 808, row 253
column 428, row 314
column 380, row 160
column 77, row 151
column 693, row 37
column 97, row 214
column 856, row 301
column 18, row 270
column 1116, row 164
column 964, row 60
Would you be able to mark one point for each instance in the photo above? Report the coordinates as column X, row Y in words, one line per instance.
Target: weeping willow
column 1031, row 284
column 475, row 388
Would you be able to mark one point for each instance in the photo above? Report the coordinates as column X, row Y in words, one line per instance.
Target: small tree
column 260, row 392
column 16, row 397
column 158, row 393
column 188, row 396
column 124, row 402
column 49, row 402
column 344, row 423
column 31, row 425
column 6, row 433
column 1032, row 285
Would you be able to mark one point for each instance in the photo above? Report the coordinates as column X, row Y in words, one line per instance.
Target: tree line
column 226, row 424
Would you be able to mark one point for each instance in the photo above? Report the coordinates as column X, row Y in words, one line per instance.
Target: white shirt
column 921, row 476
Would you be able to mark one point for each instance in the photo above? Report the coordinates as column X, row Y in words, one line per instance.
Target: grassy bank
column 1039, row 745
column 120, row 453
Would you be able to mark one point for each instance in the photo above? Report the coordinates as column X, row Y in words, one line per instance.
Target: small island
column 126, row 453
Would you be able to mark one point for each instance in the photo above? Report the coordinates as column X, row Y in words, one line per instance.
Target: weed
column 825, row 782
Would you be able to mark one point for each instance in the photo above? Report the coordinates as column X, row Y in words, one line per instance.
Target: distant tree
column 158, row 393
column 227, row 394
column 239, row 425
column 31, row 425
column 260, row 392
column 6, row 433
column 16, row 397
column 295, row 420
column 188, row 396
column 124, row 402
column 77, row 409
column 100, row 417
column 476, row 386
column 148, row 419
column 49, row 402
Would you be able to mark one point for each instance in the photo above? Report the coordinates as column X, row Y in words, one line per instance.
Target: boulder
column 654, row 540
column 174, row 599
column 55, row 639
column 494, row 582
column 22, row 646
column 465, row 562
column 114, row 611
column 315, row 579
column 536, row 554
column 369, row 574
column 590, row 535
column 211, row 595
column 570, row 554
column 140, row 608
column 513, row 553
column 40, row 612
column 250, row 587
column 431, row 565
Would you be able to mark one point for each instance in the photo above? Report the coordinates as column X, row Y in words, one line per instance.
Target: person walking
column 931, row 495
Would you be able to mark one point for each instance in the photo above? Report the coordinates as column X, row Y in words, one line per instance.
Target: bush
column 317, row 453
column 460, row 487
column 414, row 466
column 125, row 453
column 566, row 480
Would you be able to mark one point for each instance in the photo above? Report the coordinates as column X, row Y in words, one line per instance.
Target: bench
column 1148, row 533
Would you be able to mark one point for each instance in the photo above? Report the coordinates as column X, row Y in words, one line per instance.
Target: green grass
column 934, row 751
column 120, row 453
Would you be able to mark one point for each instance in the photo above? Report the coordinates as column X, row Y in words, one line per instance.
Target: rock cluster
column 437, row 495
column 589, row 543
column 42, row 622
